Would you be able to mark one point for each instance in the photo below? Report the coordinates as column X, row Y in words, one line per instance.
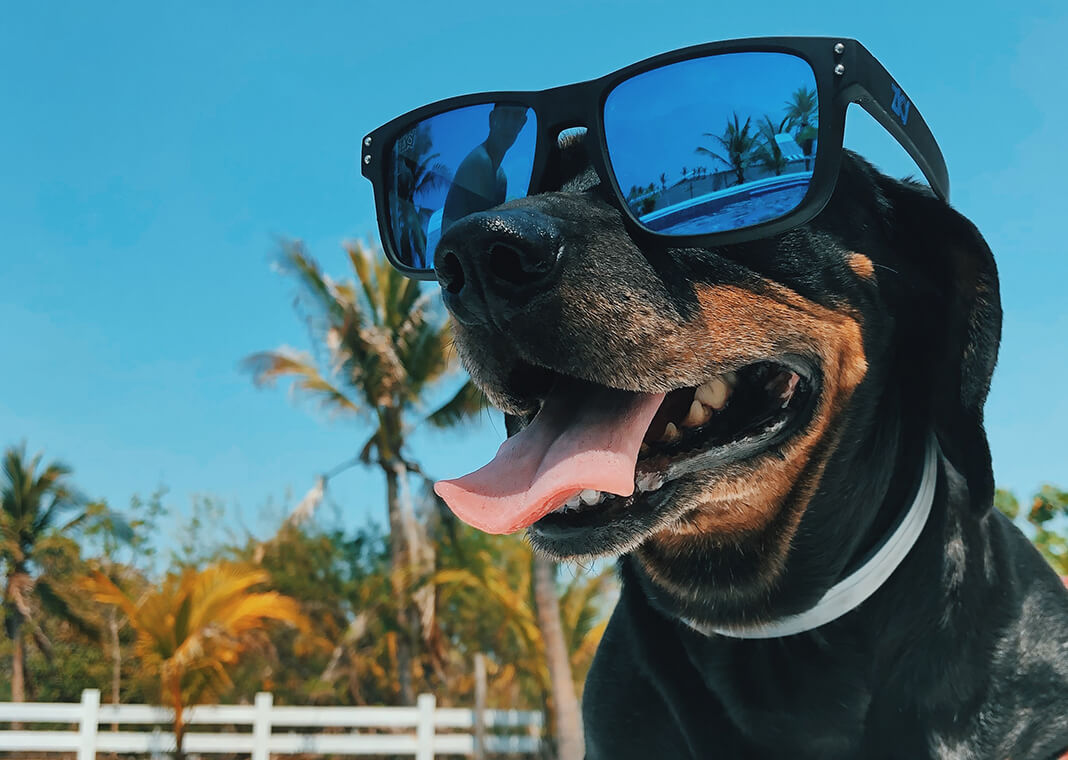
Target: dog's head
column 793, row 371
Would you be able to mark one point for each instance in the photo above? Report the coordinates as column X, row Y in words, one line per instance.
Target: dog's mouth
column 595, row 456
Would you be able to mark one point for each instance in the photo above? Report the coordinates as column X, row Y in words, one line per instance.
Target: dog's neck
column 860, row 584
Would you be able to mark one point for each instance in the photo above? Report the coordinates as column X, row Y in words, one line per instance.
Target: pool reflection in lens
column 716, row 143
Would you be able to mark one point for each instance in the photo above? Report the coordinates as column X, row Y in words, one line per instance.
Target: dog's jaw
column 659, row 321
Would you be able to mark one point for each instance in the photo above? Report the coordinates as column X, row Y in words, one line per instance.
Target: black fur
column 962, row 654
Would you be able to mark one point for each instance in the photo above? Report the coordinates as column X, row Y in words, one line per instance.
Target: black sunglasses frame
column 845, row 73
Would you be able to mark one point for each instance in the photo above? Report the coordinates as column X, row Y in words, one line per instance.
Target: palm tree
column 112, row 532
column 382, row 350
column 504, row 600
column 194, row 626
column 36, row 507
column 737, row 145
column 569, row 740
column 418, row 172
column 801, row 114
column 769, row 153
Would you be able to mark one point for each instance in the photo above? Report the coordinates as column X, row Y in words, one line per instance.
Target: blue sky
column 151, row 156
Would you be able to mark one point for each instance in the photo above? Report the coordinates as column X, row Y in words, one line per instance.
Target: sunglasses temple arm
column 876, row 92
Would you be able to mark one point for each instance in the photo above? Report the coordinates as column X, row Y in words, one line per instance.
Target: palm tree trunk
column 179, row 721
column 18, row 661
column 116, row 659
column 420, row 555
column 398, row 555
column 18, row 657
column 413, row 559
column 567, row 719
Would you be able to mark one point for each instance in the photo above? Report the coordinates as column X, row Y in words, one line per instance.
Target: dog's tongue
column 585, row 436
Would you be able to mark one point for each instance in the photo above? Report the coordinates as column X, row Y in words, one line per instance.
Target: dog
column 847, row 362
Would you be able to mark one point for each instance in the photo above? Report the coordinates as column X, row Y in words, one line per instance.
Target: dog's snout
column 490, row 264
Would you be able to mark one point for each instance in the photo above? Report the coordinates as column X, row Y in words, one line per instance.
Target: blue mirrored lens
column 454, row 164
column 714, row 144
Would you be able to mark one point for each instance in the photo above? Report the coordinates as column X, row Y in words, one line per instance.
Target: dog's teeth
column 698, row 415
column 714, row 392
column 574, row 501
column 671, row 433
column 590, row 497
column 648, row 481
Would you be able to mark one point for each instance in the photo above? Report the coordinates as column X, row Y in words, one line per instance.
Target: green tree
column 381, row 350
column 345, row 591
column 500, row 599
column 114, row 535
column 736, row 144
column 1047, row 518
column 194, row 626
column 37, row 505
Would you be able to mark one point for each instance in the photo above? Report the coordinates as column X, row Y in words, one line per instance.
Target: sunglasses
column 710, row 145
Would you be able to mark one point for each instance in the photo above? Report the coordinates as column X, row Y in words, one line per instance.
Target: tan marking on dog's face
column 631, row 337
column 743, row 500
column 861, row 265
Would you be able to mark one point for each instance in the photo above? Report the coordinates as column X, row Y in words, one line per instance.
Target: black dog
column 830, row 356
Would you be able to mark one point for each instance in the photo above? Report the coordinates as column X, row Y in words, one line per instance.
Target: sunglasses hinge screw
column 367, row 141
column 367, row 159
column 839, row 48
column 839, row 69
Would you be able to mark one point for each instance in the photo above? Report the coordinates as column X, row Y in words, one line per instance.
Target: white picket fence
column 414, row 731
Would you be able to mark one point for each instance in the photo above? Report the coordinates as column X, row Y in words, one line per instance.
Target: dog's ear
column 957, row 323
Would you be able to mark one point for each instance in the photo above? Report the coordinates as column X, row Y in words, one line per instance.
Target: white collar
column 851, row 591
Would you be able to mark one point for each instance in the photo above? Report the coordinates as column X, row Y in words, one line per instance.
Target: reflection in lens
column 454, row 164
column 716, row 143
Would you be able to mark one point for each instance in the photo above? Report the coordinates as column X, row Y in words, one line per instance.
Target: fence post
column 87, row 727
column 480, row 706
column 261, row 726
column 155, row 744
column 424, row 730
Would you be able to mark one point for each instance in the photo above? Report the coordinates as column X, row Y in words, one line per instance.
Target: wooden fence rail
column 422, row 739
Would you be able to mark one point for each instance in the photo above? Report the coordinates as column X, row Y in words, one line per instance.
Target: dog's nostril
column 506, row 263
column 450, row 273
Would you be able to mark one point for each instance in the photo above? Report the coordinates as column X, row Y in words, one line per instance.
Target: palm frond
column 56, row 605
column 466, row 403
column 267, row 366
column 315, row 287
column 712, row 154
column 362, row 263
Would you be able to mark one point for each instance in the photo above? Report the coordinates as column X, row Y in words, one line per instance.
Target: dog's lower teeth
column 590, row 497
column 670, row 434
column 648, row 482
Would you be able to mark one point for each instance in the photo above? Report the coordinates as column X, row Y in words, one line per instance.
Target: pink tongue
column 585, row 436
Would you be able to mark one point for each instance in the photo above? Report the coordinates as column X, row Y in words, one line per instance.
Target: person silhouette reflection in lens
column 479, row 182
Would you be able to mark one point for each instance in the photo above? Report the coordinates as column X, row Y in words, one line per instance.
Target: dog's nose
column 490, row 264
